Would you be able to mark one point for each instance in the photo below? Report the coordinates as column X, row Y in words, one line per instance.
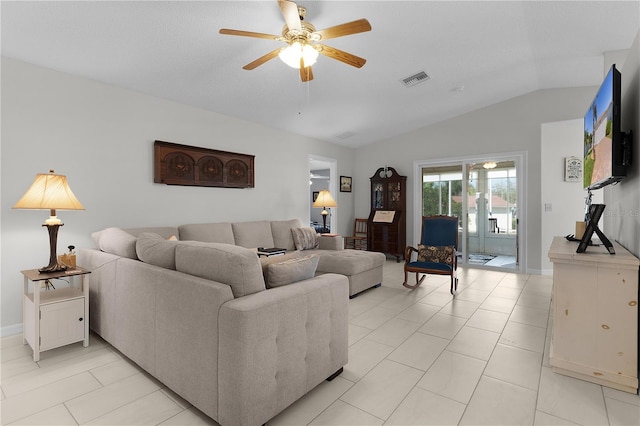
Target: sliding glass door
column 484, row 194
column 492, row 235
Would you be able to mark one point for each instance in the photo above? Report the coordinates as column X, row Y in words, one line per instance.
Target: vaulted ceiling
column 476, row 53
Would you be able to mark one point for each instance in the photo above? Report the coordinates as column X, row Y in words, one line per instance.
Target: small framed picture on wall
column 345, row 183
column 315, row 195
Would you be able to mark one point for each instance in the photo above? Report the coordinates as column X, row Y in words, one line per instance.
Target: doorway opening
column 322, row 175
column 486, row 194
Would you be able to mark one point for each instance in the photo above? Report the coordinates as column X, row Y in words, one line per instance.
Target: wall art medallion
column 176, row 164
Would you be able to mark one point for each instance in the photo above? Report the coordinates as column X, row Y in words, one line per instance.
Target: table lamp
column 324, row 200
column 50, row 192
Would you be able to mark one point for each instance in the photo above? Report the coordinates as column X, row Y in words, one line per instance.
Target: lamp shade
column 49, row 192
column 325, row 200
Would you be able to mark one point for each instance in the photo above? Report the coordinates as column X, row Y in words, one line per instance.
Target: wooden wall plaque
column 176, row 164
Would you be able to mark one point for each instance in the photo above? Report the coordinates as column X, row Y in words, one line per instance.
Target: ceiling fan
column 302, row 41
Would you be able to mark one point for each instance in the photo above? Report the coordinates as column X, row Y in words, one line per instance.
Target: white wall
column 513, row 125
column 566, row 199
column 101, row 137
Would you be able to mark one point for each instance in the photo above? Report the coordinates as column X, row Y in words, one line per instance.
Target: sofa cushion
column 207, row 232
column 305, row 238
column 349, row 262
column 291, row 270
column 436, row 254
column 281, row 231
column 116, row 241
column 155, row 250
column 235, row 266
column 253, row 234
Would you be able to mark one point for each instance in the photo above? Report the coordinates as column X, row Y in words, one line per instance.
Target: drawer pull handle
column 605, row 326
column 633, row 303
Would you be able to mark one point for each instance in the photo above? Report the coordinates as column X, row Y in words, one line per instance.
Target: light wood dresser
column 595, row 314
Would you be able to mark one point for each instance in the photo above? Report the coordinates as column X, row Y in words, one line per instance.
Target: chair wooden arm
column 407, row 253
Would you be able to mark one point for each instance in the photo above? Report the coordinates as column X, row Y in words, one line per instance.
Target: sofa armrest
column 334, row 242
column 278, row 344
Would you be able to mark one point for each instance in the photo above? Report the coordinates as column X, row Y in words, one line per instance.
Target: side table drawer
column 62, row 323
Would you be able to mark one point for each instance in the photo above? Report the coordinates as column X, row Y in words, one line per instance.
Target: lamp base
column 324, row 220
column 54, row 265
column 57, row 267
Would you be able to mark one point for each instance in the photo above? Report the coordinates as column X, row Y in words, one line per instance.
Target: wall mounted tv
column 607, row 150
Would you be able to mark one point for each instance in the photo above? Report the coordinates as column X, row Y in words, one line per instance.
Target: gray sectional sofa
column 238, row 336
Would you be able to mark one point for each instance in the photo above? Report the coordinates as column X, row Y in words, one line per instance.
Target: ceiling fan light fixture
column 291, row 54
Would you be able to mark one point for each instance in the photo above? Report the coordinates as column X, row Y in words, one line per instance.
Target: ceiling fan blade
column 305, row 72
column 291, row 16
column 353, row 27
column 262, row 59
column 248, row 34
column 341, row 55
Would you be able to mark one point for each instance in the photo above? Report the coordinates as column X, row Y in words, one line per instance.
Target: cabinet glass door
column 394, row 195
column 378, row 196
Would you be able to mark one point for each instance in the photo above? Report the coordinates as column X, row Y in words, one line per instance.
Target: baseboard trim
column 10, row 330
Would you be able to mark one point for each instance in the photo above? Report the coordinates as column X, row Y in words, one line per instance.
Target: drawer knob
column 80, row 319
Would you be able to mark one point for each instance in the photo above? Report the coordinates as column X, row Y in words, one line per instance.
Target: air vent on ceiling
column 415, row 79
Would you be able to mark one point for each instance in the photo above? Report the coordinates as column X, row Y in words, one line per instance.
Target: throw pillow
column 436, row 254
column 265, row 261
column 305, row 238
column 116, row 241
column 291, row 270
column 155, row 250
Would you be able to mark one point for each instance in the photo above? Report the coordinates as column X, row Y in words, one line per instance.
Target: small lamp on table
column 323, row 201
column 50, row 192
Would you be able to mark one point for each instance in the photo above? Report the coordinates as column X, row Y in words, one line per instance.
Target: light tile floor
column 416, row 358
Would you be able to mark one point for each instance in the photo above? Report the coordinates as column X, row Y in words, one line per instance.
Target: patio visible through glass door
column 487, row 213
column 492, row 214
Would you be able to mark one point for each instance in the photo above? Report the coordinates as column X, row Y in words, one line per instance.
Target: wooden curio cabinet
column 387, row 221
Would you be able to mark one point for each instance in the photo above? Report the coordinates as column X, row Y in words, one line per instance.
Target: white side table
column 58, row 317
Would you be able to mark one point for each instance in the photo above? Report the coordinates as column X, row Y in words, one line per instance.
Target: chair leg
column 418, row 280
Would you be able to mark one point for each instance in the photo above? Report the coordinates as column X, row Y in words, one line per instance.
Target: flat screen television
column 606, row 147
